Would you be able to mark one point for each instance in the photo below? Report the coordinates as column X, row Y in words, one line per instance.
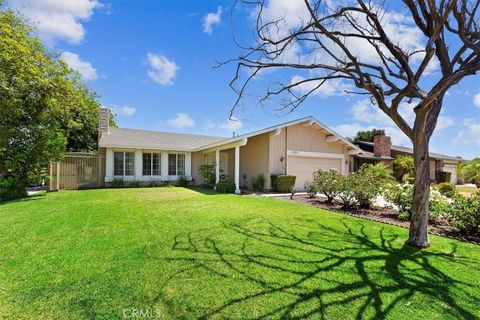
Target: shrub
column 285, row 183
column 12, row 188
column 380, row 172
column 401, row 196
column 273, row 182
column 207, row 171
column 258, row 182
column 440, row 206
column 225, row 186
column 366, row 187
column 311, row 189
column 466, row 215
column 470, row 170
column 402, row 166
column 134, row 184
column 117, row 183
column 327, row 183
column 446, row 188
column 153, row 184
column 348, row 186
column 182, row 181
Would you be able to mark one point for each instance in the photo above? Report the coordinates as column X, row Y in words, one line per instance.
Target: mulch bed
column 384, row 215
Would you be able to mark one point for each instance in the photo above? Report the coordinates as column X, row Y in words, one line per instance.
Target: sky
column 153, row 63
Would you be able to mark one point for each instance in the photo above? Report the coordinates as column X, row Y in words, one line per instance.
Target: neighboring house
column 298, row 147
column 381, row 150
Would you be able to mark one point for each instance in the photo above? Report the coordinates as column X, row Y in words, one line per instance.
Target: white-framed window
column 176, row 164
column 152, row 164
column 123, row 163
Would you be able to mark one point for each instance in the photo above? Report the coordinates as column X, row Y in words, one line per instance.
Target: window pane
column 147, row 164
column 157, row 164
column 172, row 164
column 129, row 163
column 118, row 163
column 181, row 164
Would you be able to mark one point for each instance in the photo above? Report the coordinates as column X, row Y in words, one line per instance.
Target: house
column 298, row 147
column 382, row 150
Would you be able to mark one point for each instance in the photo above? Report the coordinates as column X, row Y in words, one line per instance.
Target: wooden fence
column 78, row 171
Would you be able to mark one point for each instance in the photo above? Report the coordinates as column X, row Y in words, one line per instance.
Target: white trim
column 332, row 138
column 308, row 123
column 280, row 126
column 240, row 142
column 217, row 166
column 325, row 155
column 237, row 170
column 276, row 132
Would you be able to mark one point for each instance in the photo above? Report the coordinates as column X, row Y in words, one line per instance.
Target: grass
column 183, row 254
column 467, row 190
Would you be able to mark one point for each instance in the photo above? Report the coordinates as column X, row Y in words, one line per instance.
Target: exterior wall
column 278, row 152
column 198, row 158
column 309, row 138
column 431, row 170
column 254, row 159
column 138, row 176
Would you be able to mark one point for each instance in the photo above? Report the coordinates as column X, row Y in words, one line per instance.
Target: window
column 152, row 164
column 176, row 164
column 123, row 163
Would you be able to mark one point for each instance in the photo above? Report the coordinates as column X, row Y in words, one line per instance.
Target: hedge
column 284, row 183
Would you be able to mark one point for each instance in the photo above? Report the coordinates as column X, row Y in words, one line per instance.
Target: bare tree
column 399, row 73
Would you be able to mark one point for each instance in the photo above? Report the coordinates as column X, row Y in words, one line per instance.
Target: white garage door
column 303, row 167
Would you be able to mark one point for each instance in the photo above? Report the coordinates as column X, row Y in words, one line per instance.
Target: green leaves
column 45, row 108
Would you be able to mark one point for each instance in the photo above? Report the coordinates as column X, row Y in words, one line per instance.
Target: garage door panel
column 303, row 168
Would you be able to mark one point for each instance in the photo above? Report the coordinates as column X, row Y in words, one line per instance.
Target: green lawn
column 184, row 254
column 467, row 190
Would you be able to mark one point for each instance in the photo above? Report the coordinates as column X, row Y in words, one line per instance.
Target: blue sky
column 152, row 62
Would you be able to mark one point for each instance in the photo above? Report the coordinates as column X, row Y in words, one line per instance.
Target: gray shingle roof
column 134, row 138
column 410, row 151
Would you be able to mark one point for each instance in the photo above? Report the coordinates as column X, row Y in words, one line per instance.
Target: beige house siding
column 254, row 158
column 278, row 153
column 431, row 164
column 310, row 138
column 198, row 158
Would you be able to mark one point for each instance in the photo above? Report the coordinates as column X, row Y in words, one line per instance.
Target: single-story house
column 382, row 150
column 297, row 147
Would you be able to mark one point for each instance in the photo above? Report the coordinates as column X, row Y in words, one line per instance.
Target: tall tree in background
column 44, row 107
column 363, row 47
column 367, row 135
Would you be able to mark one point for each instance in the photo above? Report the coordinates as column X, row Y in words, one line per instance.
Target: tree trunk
column 418, row 236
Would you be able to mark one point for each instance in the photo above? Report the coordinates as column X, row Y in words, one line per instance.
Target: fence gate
column 78, row 171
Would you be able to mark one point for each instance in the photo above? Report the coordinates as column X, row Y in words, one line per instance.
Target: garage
column 302, row 166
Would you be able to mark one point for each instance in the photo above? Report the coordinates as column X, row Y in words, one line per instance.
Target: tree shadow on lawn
column 311, row 270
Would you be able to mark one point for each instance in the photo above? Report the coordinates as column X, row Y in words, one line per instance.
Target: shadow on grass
column 318, row 268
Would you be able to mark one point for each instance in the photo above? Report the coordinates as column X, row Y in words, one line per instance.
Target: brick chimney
column 381, row 146
column 103, row 121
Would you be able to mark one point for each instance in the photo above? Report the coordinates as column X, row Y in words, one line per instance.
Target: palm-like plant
column 471, row 171
column 380, row 171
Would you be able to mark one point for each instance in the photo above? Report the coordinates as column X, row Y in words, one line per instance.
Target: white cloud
column 181, row 120
column 85, row 68
column 291, row 15
column 212, row 19
column 476, row 100
column 125, row 111
column 231, row 124
column 470, row 133
column 58, row 19
column 162, row 70
column 444, row 122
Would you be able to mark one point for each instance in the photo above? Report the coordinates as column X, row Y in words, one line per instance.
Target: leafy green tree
column 403, row 167
column 471, row 170
column 367, row 135
column 44, row 107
